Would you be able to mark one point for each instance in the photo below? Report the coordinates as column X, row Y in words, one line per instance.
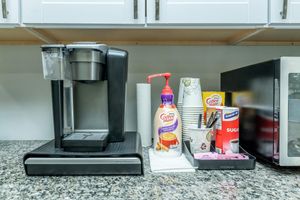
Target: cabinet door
column 285, row 11
column 83, row 11
column 9, row 11
column 208, row 11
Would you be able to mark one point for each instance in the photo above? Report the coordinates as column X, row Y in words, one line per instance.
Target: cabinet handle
column 135, row 9
column 4, row 9
column 157, row 9
column 284, row 10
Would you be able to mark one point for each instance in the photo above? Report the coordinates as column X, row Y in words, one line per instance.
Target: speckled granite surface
column 262, row 183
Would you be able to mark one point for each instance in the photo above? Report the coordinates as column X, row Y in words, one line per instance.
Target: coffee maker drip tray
column 119, row 158
column 85, row 141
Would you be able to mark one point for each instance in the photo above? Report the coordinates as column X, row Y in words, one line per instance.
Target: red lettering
column 167, row 117
column 232, row 130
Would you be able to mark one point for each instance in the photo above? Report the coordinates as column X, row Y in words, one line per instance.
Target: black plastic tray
column 219, row 164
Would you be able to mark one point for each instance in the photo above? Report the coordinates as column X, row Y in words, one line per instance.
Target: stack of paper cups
column 143, row 93
column 180, row 96
column 192, row 105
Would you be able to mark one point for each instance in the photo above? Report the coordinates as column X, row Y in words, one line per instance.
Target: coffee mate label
column 212, row 99
column 227, row 136
column 167, row 132
column 168, row 117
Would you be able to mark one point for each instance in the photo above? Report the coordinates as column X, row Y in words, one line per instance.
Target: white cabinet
column 207, row 11
column 285, row 11
column 130, row 12
column 9, row 12
column 83, row 12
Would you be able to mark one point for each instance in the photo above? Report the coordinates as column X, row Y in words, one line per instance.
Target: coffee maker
column 88, row 85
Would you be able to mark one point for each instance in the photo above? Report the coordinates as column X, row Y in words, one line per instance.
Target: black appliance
column 88, row 83
column 268, row 95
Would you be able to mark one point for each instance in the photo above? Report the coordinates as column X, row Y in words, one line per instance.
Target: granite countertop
column 264, row 182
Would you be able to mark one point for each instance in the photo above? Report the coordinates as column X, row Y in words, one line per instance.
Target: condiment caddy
column 218, row 164
column 210, row 142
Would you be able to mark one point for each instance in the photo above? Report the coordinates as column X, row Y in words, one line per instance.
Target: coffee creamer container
column 167, row 128
column 212, row 99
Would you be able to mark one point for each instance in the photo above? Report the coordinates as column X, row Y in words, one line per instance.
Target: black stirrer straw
column 200, row 121
column 210, row 119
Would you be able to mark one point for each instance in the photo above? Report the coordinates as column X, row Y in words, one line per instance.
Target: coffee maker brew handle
column 117, row 66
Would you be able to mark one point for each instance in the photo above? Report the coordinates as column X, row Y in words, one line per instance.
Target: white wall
column 25, row 101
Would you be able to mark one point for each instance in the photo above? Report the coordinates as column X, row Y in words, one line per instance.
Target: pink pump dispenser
column 167, row 89
column 167, row 129
column 167, row 96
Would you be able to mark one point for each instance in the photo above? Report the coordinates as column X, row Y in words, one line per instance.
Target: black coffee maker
column 88, row 83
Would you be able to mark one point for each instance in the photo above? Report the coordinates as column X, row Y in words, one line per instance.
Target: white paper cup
column 200, row 139
column 192, row 93
column 180, row 92
column 194, row 111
